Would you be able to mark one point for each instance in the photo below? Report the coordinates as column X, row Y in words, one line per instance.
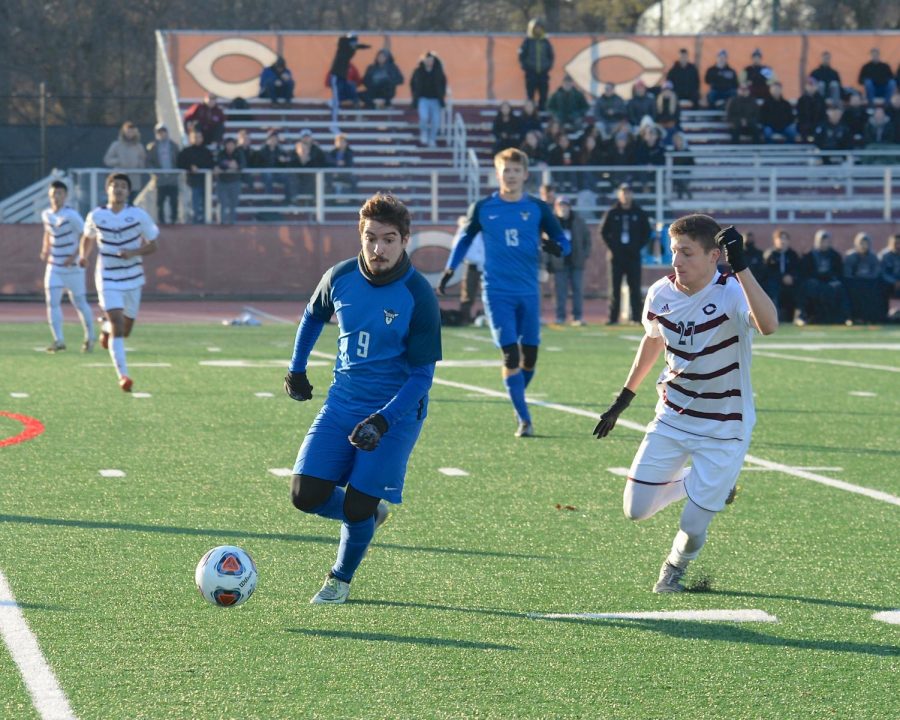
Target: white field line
column 131, row 364
column 738, row 616
column 826, row 361
column 816, row 347
column 888, row 616
column 46, row 695
column 270, row 316
column 453, row 472
column 768, row 464
column 281, row 472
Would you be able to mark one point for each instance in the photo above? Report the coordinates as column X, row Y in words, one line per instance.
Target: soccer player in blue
column 511, row 222
column 353, row 459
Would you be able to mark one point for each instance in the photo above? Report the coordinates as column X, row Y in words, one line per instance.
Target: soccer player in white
column 62, row 228
column 124, row 234
column 704, row 321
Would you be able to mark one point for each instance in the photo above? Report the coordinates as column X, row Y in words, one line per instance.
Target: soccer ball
column 226, row 576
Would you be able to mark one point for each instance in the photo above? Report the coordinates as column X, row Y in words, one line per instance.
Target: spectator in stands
column 162, row 153
column 810, row 110
column 228, row 180
column 620, row 154
column 777, row 116
column 876, row 77
column 563, row 154
column 341, row 156
column 668, row 109
column 742, row 116
column 273, row 155
column 536, row 59
column 551, row 134
column 685, row 79
column 429, row 86
column 207, row 116
column 307, row 155
column 532, row 147
column 276, row 83
column 821, row 295
column 856, row 117
column 722, row 81
column 781, row 275
column 681, row 185
column 343, row 77
column 381, row 80
column 758, row 76
column 862, row 276
column 196, row 159
column 640, row 105
column 829, row 79
column 625, row 229
column 609, row 109
column 127, row 152
column 246, row 157
column 530, row 119
column 568, row 271
column 833, row 134
column 568, row 105
column 506, row 129
column 591, row 152
column 893, row 110
column 754, row 257
column 879, row 130
column 890, row 272
column 649, row 151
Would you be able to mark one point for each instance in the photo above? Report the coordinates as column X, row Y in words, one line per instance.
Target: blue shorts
column 514, row 318
column 327, row 454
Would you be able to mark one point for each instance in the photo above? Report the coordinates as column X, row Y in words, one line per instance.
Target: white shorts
column 715, row 464
column 67, row 278
column 126, row 300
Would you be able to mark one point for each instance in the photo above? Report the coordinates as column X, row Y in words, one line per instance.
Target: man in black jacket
column 536, row 59
column 625, row 230
column 685, row 79
column 196, row 158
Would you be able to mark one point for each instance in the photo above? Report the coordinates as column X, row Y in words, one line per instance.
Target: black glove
column 367, row 434
column 608, row 419
column 732, row 244
column 445, row 278
column 296, row 384
column 551, row 247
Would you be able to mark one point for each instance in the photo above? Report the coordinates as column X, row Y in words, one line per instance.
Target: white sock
column 117, row 353
column 691, row 534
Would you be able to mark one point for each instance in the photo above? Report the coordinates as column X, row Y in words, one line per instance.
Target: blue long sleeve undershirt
column 307, row 333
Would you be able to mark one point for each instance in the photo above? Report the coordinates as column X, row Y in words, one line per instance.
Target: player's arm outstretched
column 762, row 309
column 644, row 360
column 461, row 244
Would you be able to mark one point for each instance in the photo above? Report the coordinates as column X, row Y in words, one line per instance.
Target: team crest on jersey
column 525, row 216
column 390, row 316
column 709, row 309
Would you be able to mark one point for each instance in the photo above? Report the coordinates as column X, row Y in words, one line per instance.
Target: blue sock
column 515, row 386
column 527, row 374
column 355, row 539
column 333, row 507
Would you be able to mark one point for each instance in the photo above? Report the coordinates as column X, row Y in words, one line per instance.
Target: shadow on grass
column 219, row 534
column 854, row 450
column 443, row 608
column 402, row 639
column 799, row 598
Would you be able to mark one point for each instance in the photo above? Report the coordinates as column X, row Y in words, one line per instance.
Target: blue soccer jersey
column 512, row 242
column 385, row 332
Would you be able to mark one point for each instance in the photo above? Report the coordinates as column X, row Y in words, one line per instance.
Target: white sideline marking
column 112, row 472
column 738, row 616
column 768, row 464
column 552, row 348
column 862, row 393
column 620, row 471
column 18, row 395
column 453, row 472
column 270, row 316
column 471, row 349
column 466, row 335
column 213, row 349
column 131, row 364
column 281, row 472
column 623, row 471
column 891, row 617
column 842, row 363
column 815, row 347
column 256, row 363
column 493, row 363
column 264, row 394
column 46, row 695
column 141, row 395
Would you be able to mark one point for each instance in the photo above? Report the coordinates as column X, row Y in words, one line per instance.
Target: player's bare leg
column 120, row 327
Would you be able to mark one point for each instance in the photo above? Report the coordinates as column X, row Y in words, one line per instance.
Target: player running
column 124, row 234
column 511, row 222
column 354, row 456
column 704, row 321
column 62, row 229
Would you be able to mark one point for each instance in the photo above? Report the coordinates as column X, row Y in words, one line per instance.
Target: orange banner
column 485, row 67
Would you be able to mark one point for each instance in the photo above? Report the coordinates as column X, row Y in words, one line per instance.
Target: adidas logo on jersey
column 390, row 316
column 664, row 309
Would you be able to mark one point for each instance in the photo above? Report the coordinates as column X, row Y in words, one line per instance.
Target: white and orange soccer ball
column 226, row 576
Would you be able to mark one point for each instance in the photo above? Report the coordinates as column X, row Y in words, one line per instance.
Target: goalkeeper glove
column 551, row 247
column 296, row 384
column 367, row 434
column 732, row 244
column 609, row 418
column 445, row 278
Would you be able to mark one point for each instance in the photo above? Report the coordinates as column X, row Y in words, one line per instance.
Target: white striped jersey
column 704, row 388
column 115, row 232
column 64, row 228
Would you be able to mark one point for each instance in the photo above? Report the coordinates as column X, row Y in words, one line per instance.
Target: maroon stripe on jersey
column 710, row 324
column 705, row 395
column 720, row 417
column 710, row 375
column 706, row 351
column 666, row 323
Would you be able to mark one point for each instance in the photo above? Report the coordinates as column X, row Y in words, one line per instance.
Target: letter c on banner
column 581, row 67
column 201, row 66
column 432, row 238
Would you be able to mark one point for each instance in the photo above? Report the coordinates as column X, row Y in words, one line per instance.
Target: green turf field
column 444, row 616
